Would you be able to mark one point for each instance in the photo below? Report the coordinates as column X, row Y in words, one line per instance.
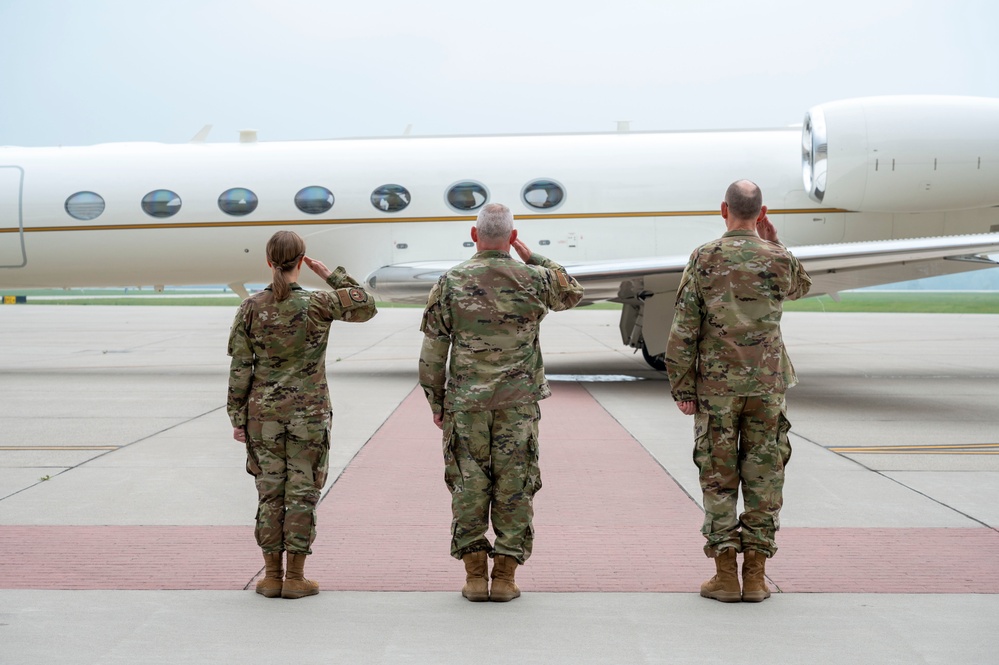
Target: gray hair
column 495, row 222
column 744, row 199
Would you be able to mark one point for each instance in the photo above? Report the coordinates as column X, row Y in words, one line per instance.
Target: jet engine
column 902, row 154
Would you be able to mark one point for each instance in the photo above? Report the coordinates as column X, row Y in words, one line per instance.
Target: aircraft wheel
column 655, row 362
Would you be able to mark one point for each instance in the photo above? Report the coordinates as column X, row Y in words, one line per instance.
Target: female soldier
column 279, row 402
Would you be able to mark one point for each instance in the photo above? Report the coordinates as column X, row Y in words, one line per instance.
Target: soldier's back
column 496, row 305
column 290, row 353
column 743, row 281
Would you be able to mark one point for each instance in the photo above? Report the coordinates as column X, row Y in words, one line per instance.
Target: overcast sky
column 82, row 72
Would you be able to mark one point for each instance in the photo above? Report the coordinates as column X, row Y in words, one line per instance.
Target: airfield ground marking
column 940, row 449
column 609, row 518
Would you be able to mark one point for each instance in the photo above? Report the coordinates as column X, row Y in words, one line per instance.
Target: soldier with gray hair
column 485, row 314
column 728, row 368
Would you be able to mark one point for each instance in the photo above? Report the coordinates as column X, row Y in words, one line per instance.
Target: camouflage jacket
column 278, row 350
column 487, row 312
column 725, row 338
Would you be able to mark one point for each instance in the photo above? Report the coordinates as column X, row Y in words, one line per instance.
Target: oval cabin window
column 161, row 203
column 467, row 195
column 314, row 200
column 238, row 201
column 543, row 194
column 85, row 205
column 390, row 198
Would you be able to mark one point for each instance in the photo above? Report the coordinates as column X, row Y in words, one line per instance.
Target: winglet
column 202, row 135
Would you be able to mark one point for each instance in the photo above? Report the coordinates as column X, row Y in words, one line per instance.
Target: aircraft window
column 467, row 195
column 543, row 194
column 161, row 203
column 238, row 201
column 314, row 200
column 468, row 243
column 544, row 243
column 401, row 245
column 85, row 205
column 390, row 198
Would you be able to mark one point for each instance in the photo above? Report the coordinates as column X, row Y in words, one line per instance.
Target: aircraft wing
column 833, row 268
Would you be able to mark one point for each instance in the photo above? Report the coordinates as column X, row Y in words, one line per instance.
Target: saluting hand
column 318, row 267
column 523, row 251
column 766, row 229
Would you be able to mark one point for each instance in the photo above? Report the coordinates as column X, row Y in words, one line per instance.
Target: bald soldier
column 486, row 313
column 728, row 368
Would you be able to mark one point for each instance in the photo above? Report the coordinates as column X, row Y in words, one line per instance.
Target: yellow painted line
column 929, row 446
column 942, row 449
column 388, row 220
column 917, row 452
column 59, row 448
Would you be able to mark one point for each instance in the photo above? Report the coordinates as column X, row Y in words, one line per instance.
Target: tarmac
column 126, row 515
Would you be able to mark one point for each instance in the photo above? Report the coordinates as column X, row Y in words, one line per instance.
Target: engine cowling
column 903, row 154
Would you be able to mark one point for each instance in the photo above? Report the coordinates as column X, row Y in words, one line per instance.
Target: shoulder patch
column 348, row 296
column 563, row 279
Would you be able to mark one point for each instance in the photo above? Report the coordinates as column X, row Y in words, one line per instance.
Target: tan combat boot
column 724, row 586
column 476, row 587
column 295, row 584
column 504, row 588
column 754, row 580
column 270, row 585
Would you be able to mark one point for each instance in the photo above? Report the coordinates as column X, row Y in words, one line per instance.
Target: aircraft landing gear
column 655, row 362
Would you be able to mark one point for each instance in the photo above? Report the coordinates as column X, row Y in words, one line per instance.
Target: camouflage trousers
column 741, row 441
column 290, row 462
column 491, row 468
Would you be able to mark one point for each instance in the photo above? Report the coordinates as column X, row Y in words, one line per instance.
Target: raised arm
column 564, row 291
column 350, row 301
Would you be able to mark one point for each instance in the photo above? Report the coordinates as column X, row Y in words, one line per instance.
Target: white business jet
column 867, row 191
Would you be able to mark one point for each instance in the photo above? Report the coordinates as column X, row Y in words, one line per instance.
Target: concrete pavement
column 137, row 545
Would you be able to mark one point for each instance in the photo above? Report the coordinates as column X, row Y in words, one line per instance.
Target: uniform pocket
column 252, row 464
column 702, row 441
column 452, row 474
column 322, row 469
column 783, row 437
column 532, row 481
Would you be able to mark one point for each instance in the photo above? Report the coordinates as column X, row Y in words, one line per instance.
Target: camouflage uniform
column 486, row 312
column 278, row 393
column 726, row 353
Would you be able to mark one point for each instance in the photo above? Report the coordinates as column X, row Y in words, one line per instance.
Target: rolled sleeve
column 350, row 302
column 564, row 292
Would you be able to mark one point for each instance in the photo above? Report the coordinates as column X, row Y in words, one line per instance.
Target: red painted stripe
column 127, row 557
column 609, row 518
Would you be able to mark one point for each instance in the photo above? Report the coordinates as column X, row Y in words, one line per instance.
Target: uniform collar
column 491, row 254
column 740, row 232
column 293, row 286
